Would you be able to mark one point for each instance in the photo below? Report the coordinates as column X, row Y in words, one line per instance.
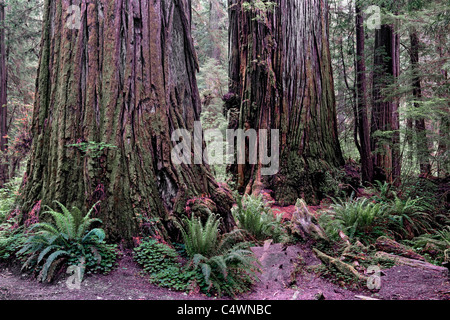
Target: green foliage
column 331, row 185
column 161, row 262
column 92, row 149
column 225, row 265
column 8, row 195
column 11, row 236
column 257, row 218
column 11, row 240
column 260, row 7
column 199, row 238
column 358, row 218
column 426, row 190
column 433, row 245
column 230, row 271
column 385, row 192
column 408, row 217
column 69, row 239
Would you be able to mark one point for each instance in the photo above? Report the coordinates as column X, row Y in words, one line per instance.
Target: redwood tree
column 3, row 97
column 385, row 124
column 421, row 133
column 281, row 78
column 109, row 95
column 367, row 171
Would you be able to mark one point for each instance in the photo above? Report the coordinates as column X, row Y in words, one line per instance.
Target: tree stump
column 304, row 224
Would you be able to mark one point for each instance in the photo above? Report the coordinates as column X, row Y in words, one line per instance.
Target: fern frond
column 48, row 263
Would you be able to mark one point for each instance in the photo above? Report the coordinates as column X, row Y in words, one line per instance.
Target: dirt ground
column 278, row 264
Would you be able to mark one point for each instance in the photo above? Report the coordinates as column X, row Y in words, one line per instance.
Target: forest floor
column 279, row 266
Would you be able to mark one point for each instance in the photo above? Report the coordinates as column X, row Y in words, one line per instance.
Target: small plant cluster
column 11, row 235
column 91, row 148
column 11, row 240
column 216, row 263
column 68, row 241
column 434, row 246
column 258, row 220
column 162, row 263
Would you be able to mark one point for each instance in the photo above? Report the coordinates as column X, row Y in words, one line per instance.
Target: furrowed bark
column 385, row 117
column 4, row 168
column 362, row 110
column 125, row 78
column 281, row 78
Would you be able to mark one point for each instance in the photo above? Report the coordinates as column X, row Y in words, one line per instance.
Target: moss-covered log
column 280, row 71
column 109, row 95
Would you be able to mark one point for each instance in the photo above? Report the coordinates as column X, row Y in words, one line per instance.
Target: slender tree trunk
column 421, row 133
column 281, row 78
column 214, row 18
column 125, row 78
column 385, row 116
column 362, row 110
column 4, row 176
column 443, row 163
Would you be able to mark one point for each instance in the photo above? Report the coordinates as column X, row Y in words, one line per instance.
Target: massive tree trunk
column 281, row 78
column 423, row 154
column 385, row 124
column 362, row 110
column 4, row 176
column 123, row 82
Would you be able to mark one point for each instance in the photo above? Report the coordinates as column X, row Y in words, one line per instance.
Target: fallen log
column 388, row 245
column 341, row 266
column 410, row 262
column 367, row 298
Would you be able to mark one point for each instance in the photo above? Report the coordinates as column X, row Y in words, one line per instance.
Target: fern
column 257, row 218
column 361, row 218
column 408, row 218
column 435, row 246
column 199, row 238
column 224, row 262
column 68, row 239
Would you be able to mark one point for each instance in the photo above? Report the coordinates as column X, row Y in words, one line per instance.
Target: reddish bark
column 126, row 78
column 385, row 117
column 4, row 176
column 281, row 78
column 362, row 110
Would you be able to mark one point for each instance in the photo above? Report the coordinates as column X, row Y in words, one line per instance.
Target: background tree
column 23, row 29
column 3, row 96
column 363, row 128
column 109, row 95
column 385, row 124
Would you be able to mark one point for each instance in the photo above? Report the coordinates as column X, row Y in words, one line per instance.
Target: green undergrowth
column 215, row 264
column 68, row 240
column 259, row 221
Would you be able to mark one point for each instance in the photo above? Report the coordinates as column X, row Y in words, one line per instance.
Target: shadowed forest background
column 359, row 91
